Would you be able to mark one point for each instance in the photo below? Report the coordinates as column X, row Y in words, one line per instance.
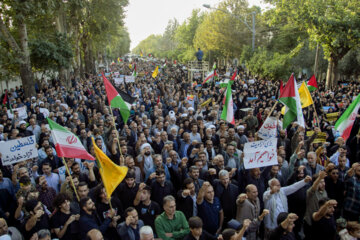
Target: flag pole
column 71, row 180
column 102, row 179
column 122, row 163
column 269, row 114
column 316, row 116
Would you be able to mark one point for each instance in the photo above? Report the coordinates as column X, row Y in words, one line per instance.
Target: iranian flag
column 211, row 75
column 228, row 108
column 312, row 84
column 346, row 121
column 67, row 144
column 116, row 101
column 291, row 99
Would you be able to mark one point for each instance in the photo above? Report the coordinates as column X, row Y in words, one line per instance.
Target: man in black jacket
column 187, row 198
column 90, row 220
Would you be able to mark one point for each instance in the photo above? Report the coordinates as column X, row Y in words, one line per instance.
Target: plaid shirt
column 352, row 198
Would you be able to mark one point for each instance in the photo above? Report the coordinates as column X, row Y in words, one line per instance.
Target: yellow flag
column 305, row 96
column 130, row 65
column 141, row 54
column 111, row 174
column 206, row 102
column 156, row 72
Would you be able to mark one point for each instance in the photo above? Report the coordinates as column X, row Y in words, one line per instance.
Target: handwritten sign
column 21, row 111
column 268, row 129
column 260, row 153
column 18, row 150
column 129, row 79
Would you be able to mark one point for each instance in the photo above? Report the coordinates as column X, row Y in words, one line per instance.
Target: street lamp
column 252, row 29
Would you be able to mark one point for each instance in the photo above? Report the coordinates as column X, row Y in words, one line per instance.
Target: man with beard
column 312, row 167
column 323, row 221
column 90, row 220
column 130, row 163
column 160, row 187
column 130, row 228
column 144, row 159
column 88, row 178
column 242, row 136
column 126, row 191
column 352, row 197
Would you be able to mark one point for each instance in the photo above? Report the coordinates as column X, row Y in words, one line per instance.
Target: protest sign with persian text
column 268, row 129
column 18, row 150
column 260, row 153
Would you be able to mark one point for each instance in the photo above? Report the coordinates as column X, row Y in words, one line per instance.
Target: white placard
column 268, row 129
column 21, row 110
column 116, row 74
column 119, row 80
column 260, row 153
column 18, row 150
column 129, row 79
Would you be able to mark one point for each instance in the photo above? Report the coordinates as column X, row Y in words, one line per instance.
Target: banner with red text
column 268, row 129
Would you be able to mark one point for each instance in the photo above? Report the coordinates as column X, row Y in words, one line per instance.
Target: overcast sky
column 146, row 17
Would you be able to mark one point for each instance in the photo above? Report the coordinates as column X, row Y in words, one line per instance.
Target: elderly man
column 171, row 224
column 249, row 208
column 146, row 233
column 312, row 167
column 275, row 199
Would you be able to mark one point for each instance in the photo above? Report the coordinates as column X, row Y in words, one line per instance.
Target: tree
column 333, row 24
column 14, row 16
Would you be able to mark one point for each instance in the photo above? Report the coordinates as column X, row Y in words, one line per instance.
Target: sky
column 146, row 17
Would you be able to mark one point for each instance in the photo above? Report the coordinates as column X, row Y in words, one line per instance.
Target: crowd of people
column 186, row 177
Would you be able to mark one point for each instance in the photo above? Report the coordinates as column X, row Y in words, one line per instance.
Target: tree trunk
column 331, row 80
column 26, row 74
column 61, row 28
column 76, row 60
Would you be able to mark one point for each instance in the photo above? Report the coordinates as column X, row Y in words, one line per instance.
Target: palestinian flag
column 346, row 121
column 210, row 76
column 116, row 101
column 291, row 99
column 228, row 107
column 67, row 144
column 312, row 84
column 134, row 72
